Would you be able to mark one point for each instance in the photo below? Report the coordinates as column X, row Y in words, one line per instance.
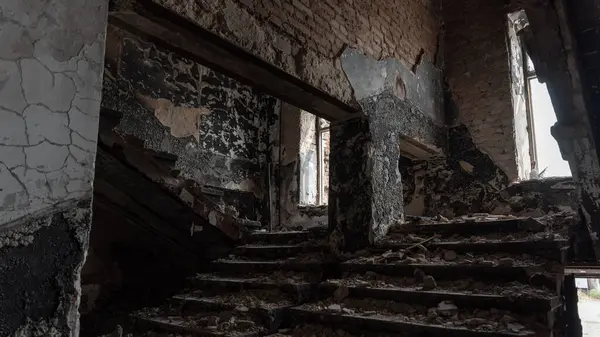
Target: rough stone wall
column 51, row 65
column 468, row 182
column 214, row 127
column 306, row 37
column 477, row 69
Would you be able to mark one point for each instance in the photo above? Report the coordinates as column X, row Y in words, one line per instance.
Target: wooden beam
column 174, row 32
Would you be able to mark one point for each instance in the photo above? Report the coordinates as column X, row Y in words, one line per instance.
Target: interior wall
column 478, row 72
column 51, row 65
column 217, row 131
column 305, row 38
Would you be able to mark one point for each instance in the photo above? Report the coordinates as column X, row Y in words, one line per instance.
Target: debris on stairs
column 247, row 293
column 472, row 276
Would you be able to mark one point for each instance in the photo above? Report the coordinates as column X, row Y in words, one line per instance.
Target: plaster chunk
column 46, row 157
column 43, row 124
column 12, row 129
column 56, row 91
column 11, row 96
column 15, row 42
column 83, row 124
column 12, row 156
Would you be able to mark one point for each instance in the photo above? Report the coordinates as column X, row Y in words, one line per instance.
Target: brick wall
column 478, row 72
column 306, row 37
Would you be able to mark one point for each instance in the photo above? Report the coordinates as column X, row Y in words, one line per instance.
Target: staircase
column 472, row 276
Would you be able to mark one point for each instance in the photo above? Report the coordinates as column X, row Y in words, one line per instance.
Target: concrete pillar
column 365, row 193
column 51, row 65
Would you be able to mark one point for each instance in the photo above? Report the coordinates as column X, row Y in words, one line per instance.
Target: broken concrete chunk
column 243, row 308
column 515, row 327
column 341, row 293
column 334, row 308
column 446, row 309
column 429, row 283
column 506, row 262
column 347, row 311
column 450, row 255
column 533, row 225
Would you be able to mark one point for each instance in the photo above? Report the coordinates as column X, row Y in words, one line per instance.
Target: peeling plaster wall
column 478, row 72
column 304, row 38
column 220, row 131
column 50, row 78
column 51, row 65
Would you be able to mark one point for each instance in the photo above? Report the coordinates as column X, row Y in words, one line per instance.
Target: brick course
column 305, row 37
column 478, row 72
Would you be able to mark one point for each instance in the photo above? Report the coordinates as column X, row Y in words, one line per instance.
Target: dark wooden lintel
column 176, row 33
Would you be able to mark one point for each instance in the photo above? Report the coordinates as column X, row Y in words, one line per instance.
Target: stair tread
column 394, row 322
column 253, row 299
column 182, row 325
column 265, row 280
column 523, row 303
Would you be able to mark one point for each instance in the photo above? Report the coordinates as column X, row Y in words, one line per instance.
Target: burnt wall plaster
column 40, row 271
column 416, row 98
column 51, row 65
column 478, row 72
column 221, row 132
column 365, row 195
column 304, row 38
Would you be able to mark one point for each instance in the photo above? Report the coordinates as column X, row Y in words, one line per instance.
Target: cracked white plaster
column 15, row 41
column 43, row 124
column 12, row 156
column 12, row 192
column 54, row 90
column 51, row 68
column 11, row 95
column 81, row 123
column 46, row 157
column 12, row 129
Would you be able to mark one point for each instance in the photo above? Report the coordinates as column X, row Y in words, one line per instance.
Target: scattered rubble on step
column 446, row 314
column 277, row 277
column 446, row 257
column 232, row 322
column 245, row 299
column 323, row 331
column 466, row 286
column 299, row 258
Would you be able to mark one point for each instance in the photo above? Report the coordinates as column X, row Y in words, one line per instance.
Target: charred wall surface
column 478, row 72
column 305, row 38
column 214, row 128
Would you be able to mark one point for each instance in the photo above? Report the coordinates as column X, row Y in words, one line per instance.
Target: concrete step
column 245, row 267
column 298, row 287
column 396, row 324
column 187, row 326
column 277, row 238
column 524, row 304
column 277, row 251
column 554, row 250
column 472, row 227
column 493, row 274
